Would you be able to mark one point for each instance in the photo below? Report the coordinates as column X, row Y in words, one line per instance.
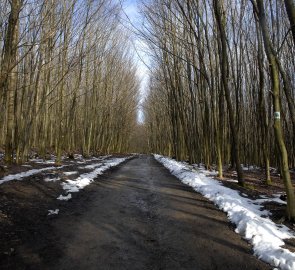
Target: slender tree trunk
column 10, row 83
column 262, row 109
column 224, row 66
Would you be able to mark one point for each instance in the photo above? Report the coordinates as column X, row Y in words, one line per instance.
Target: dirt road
column 138, row 216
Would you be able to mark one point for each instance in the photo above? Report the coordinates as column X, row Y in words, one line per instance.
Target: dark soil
column 137, row 216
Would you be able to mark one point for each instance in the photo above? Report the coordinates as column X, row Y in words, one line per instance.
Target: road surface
column 139, row 216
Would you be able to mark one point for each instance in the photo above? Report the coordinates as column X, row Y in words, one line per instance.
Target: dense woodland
column 68, row 78
column 221, row 86
column 222, row 83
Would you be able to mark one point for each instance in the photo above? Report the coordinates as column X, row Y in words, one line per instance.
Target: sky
column 130, row 8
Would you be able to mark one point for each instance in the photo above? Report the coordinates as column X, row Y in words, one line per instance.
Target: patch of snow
column 27, row 165
column 20, row 176
column 265, row 236
column 263, row 196
column 91, row 166
column 271, row 199
column 231, row 180
column 81, row 162
column 70, row 173
column 211, row 173
column 79, row 158
column 53, row 212
column 48, row 179
column 42, row 161
column 65, row 198
column 85, row 179
column 250, row 167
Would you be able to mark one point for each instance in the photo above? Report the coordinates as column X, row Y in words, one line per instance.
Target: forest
column 68, row 79
column 222, row 84
column 145, row 134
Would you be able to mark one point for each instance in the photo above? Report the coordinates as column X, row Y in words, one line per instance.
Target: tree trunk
column 224, row 66
column 10, row 82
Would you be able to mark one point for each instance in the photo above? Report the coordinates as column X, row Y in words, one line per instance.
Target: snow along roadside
column 265, row 236
column 20, row 176
column 87, row 178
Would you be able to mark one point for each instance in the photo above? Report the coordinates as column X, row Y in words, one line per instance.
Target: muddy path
column 137, row 216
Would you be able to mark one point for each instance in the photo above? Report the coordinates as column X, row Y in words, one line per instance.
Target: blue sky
column 130, row 7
